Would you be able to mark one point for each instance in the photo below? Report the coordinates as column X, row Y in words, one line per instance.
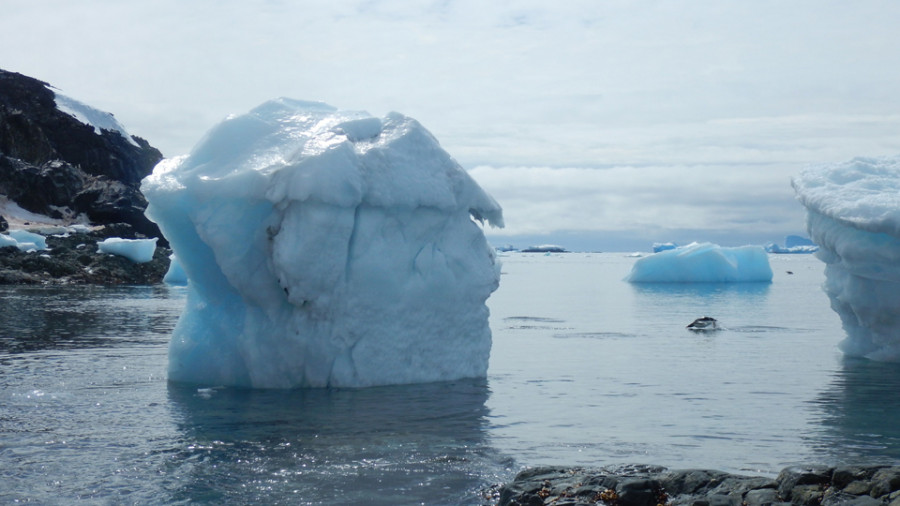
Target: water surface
column 585, row 370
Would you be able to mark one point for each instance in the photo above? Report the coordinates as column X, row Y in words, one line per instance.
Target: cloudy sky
column 598, row 125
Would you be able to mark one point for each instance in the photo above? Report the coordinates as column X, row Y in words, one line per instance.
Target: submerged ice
column 325, row 248
column 853, row 214
column 703, row 263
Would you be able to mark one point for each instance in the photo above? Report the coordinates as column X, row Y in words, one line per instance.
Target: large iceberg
column 325, row 248
column 853, row 214
column 703, row 263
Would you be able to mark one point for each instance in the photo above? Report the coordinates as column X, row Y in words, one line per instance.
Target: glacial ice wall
column 325, row 248
column 853, row 214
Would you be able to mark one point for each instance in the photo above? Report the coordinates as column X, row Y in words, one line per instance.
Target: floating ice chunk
column 137, row 250
column 175, row 275
column 325, row 248
column 853, row 214
column 703, row 263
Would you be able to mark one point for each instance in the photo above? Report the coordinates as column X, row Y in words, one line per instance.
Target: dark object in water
column 705, row 323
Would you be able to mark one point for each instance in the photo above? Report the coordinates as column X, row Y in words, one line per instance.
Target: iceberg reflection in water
column 859, row 411
column 381, row 445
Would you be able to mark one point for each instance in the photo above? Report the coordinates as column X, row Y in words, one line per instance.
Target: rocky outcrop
column 55, row 165
column 654, row 485
column 73, row 258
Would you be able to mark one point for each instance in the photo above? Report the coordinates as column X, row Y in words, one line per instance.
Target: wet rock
column 651, row 485
column 885, row 481
column 800, row 479
column 74, row 259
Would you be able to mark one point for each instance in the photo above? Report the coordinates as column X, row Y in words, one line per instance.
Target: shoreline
column 648, row 485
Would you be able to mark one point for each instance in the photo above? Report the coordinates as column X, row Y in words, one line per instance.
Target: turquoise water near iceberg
column 585, row 370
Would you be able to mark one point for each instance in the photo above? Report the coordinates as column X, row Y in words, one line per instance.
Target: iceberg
column 853, row 214
column 325, row 248
column 138, row 251
column 663, row 246
column 703, row 263
column 175, row 274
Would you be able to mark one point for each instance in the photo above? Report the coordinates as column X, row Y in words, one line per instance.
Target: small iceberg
column 703, row 263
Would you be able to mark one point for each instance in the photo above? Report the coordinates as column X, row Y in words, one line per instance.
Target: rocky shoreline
column 73, row 258
column 642, row 485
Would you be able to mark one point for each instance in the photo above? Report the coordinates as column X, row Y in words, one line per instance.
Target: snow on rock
column 853, row 214
column 138, row 251
column 325, row 248
column 703, row 263
column 86, row 114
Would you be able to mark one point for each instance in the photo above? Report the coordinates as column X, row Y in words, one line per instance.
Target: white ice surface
column 137, row 250
column 325, row 248
column 703, row 263
column 853, row 214
column 24, row 240
column 95, row 118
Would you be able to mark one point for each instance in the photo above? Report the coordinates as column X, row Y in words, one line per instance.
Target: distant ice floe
column 326, row 248
column 853, row 214
column 663, row 246
column 545, row 248
column 703, row 263
column 793, row 244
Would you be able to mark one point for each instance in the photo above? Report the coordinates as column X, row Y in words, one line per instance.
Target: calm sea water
column 586, row 370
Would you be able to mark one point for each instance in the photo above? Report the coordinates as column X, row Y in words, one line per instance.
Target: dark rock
column 761, row 497
column 649, row 485
column 885, row 481
column 35, row 131
column 845, row 475
column 52, row 164
column 844, row 499
column 792, row 477
column 690, row 481
column 75, row 259
column 4, row 225
column 638, row 492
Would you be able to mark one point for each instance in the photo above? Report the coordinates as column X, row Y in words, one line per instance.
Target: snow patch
column 95, row 118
